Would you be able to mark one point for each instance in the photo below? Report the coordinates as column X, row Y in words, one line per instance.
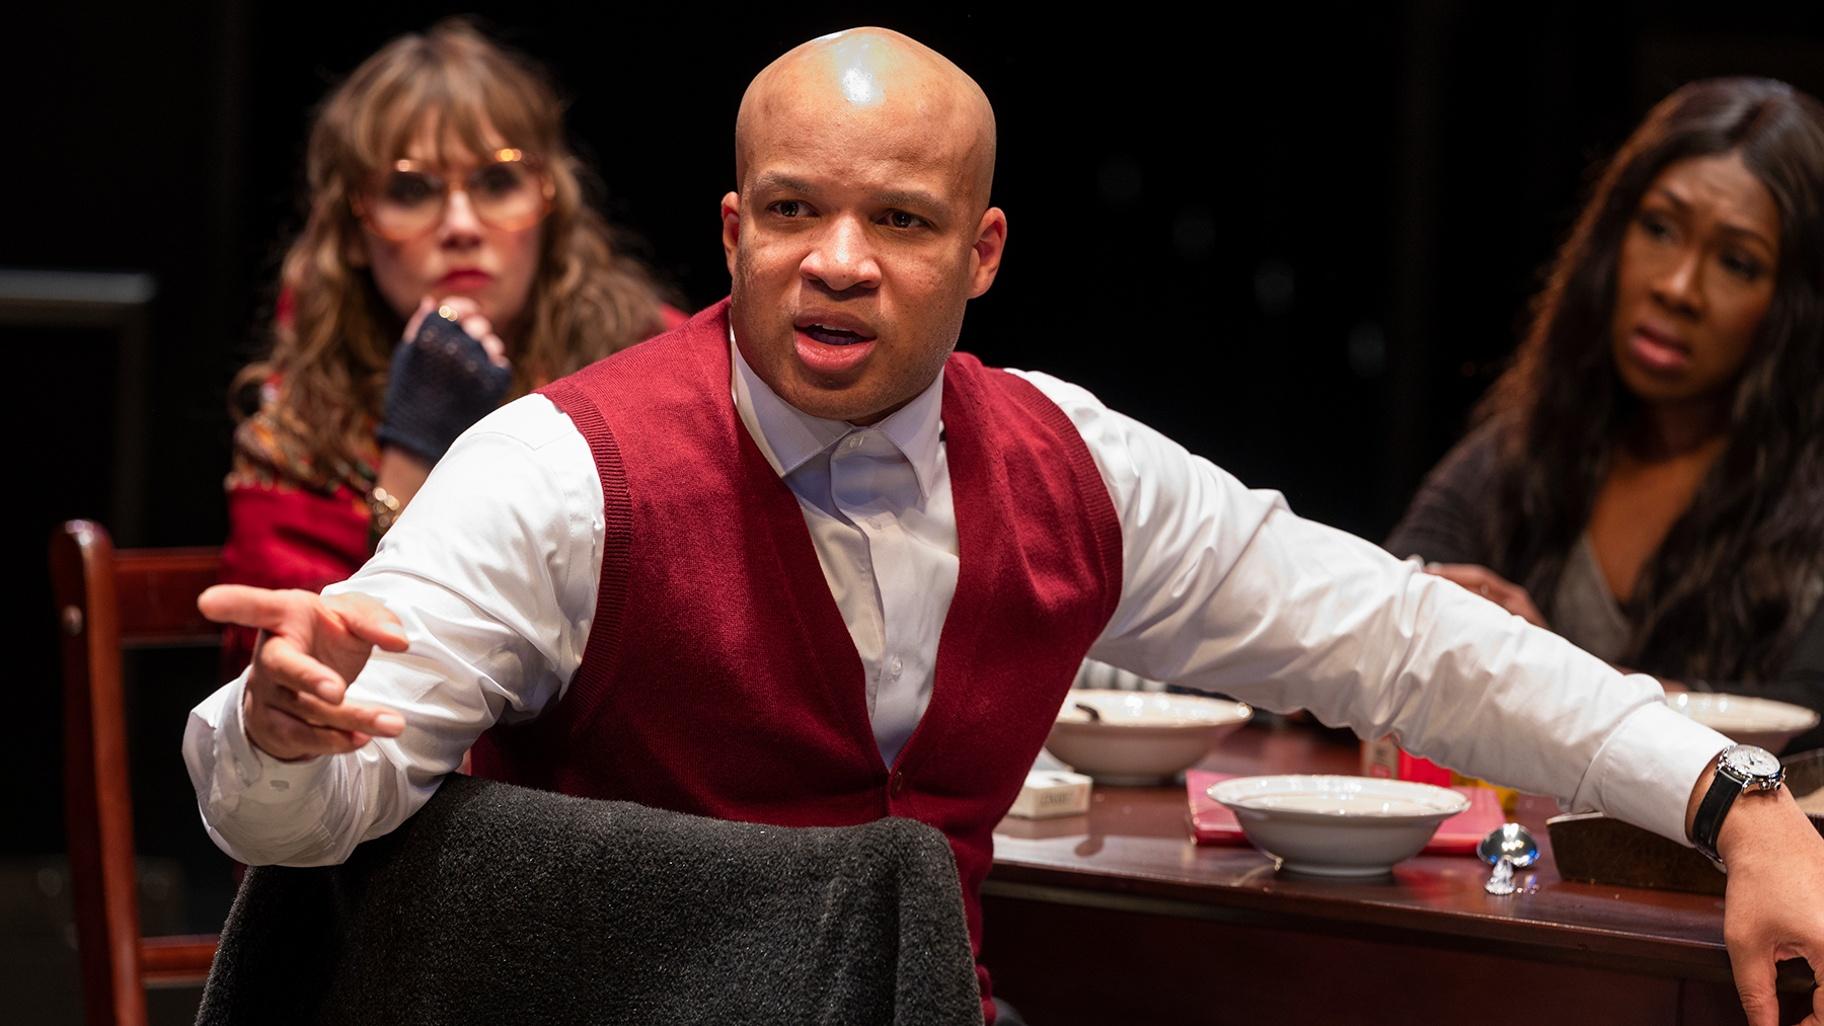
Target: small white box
column 1050, row 793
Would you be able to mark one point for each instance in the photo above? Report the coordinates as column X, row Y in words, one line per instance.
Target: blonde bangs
column 443, row 90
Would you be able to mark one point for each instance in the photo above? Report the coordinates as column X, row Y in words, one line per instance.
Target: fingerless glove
column 441, row 382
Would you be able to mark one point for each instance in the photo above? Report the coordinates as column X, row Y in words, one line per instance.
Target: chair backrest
column 715, row 921
column 107, row 600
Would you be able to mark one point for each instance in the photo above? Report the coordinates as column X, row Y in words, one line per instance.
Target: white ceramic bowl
column 1139, row 737
column 1745, row 719
column 1338, row 826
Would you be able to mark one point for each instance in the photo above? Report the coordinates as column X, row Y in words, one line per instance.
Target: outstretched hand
column 309, row 648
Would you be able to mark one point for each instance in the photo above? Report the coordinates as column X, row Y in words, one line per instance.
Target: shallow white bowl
column 1141, row 737
column 1745, row 719
column 1338, row 826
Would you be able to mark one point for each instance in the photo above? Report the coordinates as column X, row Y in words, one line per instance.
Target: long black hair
column 1730, row 588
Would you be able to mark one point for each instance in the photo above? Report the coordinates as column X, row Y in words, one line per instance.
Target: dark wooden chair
column 108, row 600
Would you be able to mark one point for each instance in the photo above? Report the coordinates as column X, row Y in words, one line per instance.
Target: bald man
column 799, row 562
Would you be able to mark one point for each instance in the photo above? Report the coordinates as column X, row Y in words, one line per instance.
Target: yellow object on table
column 1507, row 795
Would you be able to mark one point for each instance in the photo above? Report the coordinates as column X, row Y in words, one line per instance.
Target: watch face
column 1749, row 761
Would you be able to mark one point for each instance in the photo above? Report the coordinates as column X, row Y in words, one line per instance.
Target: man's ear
column 731, row 228
column 985, row 252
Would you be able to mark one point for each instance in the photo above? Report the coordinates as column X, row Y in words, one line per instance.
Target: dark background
column 1299, row 240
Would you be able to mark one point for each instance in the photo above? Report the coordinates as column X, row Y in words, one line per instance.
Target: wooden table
column 1118, row 917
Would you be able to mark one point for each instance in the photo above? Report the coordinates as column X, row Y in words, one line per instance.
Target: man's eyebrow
column 773, row 181
column 912, row 199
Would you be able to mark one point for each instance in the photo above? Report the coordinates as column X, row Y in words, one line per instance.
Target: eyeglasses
column 509, row 192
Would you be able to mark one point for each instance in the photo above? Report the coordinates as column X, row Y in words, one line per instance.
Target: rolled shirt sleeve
column 492, row 571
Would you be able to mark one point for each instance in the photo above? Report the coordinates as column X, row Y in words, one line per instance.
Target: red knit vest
column 719, row 679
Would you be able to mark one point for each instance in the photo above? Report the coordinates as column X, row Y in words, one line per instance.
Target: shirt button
column 898, row 784
column 894, row 666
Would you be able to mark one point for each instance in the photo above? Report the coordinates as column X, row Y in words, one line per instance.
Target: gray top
column 1449, row 522
column 1584, row 610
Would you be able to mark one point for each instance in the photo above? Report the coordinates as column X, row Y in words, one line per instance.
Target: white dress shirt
column 493, row 570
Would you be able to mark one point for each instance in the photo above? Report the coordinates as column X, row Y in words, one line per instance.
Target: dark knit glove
column 441, row 382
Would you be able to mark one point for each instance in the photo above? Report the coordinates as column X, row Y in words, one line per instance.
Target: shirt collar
column 789, row 438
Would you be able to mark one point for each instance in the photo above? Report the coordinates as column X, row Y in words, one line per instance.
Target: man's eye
column 788, row 208
column 901, row 219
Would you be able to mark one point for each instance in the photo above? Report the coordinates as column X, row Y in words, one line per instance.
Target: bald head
column 873, row 76
column 859, row 228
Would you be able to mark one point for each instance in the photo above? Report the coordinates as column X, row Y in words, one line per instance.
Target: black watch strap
column 1739, row 769
column 1707, row 826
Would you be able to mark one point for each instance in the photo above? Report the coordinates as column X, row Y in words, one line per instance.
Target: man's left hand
column 1774, row 905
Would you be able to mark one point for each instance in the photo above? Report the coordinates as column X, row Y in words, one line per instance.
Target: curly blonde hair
column 453, row 85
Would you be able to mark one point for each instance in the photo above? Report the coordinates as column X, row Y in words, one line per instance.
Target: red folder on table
column 1213, row 823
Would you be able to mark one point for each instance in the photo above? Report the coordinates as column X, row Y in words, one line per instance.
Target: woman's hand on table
column 1491, row 586
column 308, row 650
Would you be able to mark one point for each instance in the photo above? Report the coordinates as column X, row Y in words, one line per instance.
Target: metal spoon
column 1508, row 847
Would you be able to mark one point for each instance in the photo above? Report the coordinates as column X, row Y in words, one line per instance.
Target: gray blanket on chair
column 496, row 904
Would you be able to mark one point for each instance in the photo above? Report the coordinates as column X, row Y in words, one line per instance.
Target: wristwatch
column 1739, row 770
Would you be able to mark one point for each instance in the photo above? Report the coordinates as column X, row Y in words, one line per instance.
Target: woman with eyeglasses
column 1648, row 477
column 448, row 263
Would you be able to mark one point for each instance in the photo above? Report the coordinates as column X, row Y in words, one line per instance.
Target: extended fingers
column 261, row 608
column 279, row 663
column 341, row 716
column 273, row 726
column 285, row 736
column 290, row 717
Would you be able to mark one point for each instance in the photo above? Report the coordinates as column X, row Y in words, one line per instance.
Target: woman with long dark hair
column 449, row 262
column 1647, row 478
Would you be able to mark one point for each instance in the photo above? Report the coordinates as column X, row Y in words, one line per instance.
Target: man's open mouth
column 832, row 336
